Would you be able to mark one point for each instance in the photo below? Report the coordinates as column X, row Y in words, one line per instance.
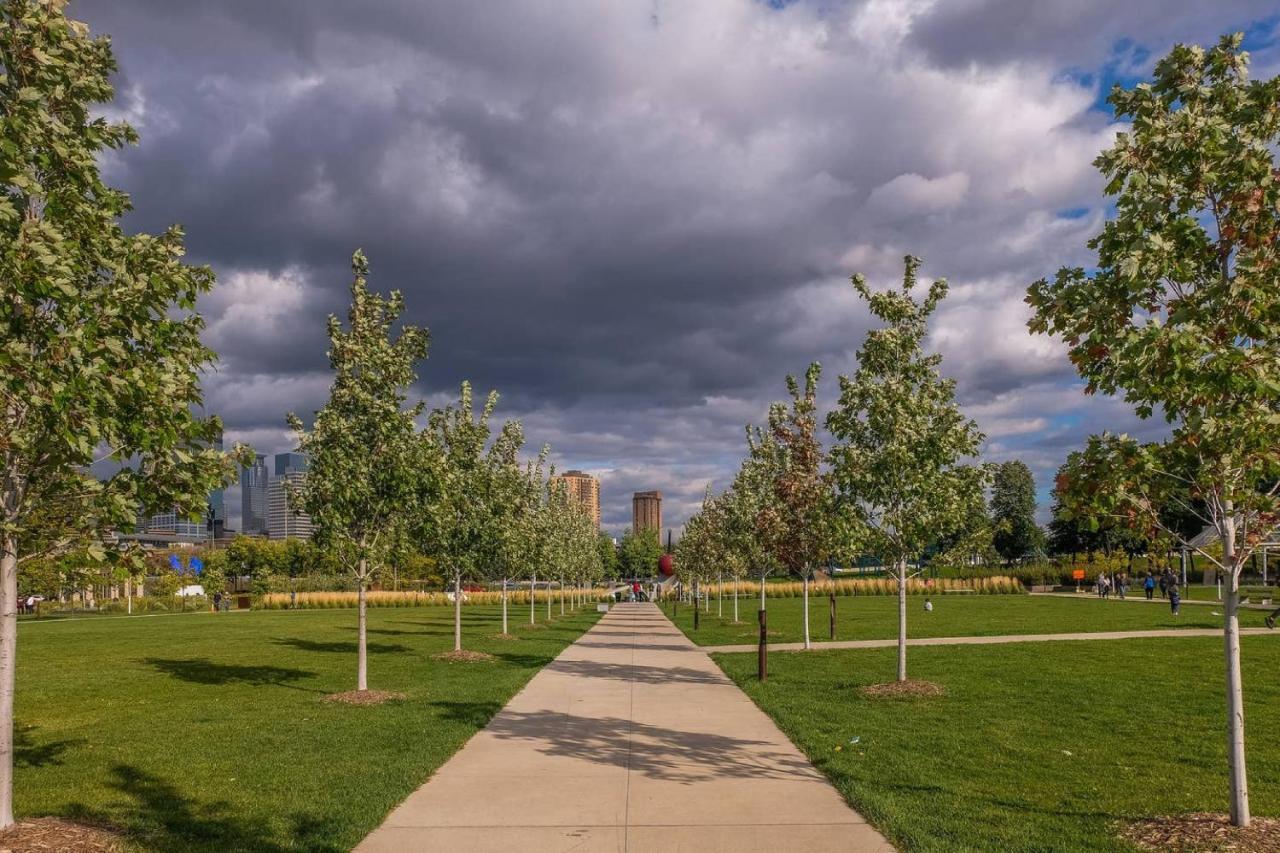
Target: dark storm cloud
column 631, row 218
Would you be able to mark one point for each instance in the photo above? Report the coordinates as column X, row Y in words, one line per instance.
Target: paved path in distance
column 631, row 741
column 891, row 642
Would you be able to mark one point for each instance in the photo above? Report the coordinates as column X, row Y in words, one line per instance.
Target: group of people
column 1119, row 583
column 1167, row 584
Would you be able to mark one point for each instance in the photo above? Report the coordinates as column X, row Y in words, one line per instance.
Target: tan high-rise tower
column 584, row 490
column 646, row 511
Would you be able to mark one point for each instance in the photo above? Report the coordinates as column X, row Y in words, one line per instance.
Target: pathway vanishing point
column 632, row 740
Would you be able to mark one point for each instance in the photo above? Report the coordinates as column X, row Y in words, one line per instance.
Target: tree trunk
column 362, row 646
column 533, row 599
column 561, row 596
column 457, row 611
column 902, row 620
column 1239, row 777
column 548, row 600
column 762, row 607
column 735, row 600
column 504, row 606
column 128, row 595
column 806, row 611
column 8, row 663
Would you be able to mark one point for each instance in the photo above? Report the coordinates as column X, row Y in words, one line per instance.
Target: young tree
column 1178, row 315
column 1013, row 512
column 900, row 439
column 100, row 353
column 364, row 469
column 459, row 526
column 794, row 523
column 519, row 539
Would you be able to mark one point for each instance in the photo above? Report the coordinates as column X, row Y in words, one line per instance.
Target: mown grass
column 1035, row 746
column 207, row 732
column 875, row 617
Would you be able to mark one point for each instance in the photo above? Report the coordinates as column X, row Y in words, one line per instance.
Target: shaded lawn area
column 1044, row 746
column 206, row 732
column 870, row 617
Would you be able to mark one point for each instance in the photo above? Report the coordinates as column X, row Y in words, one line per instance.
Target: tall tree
column 640, row 552
column 794, row 523
column 901, row 438
column 364, row 467
column 1179, row 313
column 100, row 353
column 1013, row 512
column 609, row 563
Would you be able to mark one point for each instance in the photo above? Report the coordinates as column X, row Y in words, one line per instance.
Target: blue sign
column 195, row 565
column 175, row 563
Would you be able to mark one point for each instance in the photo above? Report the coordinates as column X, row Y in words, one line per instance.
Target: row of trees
column 379, row 487
column 899, row 476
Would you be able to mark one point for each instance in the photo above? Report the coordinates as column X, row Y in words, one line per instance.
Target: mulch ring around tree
column 503, row 637
column 1201, row 833
column 364, row 697
column 54, row 833
column 910, row 689
column 464, row 656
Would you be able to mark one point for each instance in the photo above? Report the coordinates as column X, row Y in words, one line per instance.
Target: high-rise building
column 253, row 497
column 584, row 490
column 216, row 512
column 285, row 521
column 646, row 511
column 177, row 525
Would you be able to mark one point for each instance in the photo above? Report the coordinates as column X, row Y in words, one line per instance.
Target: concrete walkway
column 632, row 740
column 892, row 642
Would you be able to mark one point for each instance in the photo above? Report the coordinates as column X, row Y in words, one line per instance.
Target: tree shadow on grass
column 349, row 647
column 161, row 817
column 476, row 714
column 205, row 671
column 28, row 753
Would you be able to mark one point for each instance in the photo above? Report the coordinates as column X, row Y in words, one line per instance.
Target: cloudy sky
column 634, row 218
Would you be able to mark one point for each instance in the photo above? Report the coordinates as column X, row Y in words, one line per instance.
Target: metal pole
column 762, row 663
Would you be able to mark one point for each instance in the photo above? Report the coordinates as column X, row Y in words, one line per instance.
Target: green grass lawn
column 1035, row 746
column 206, row 732
column 875, row 616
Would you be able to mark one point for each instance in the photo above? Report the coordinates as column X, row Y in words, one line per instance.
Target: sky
column 634, row 218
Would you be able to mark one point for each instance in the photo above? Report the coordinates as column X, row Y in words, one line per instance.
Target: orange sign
column 1077, row 574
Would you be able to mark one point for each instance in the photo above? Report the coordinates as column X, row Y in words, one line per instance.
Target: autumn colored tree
column 901, row 439
column 794, row 522
column 1179, row 316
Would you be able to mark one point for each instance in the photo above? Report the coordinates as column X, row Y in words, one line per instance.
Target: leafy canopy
column 1182, row 314
column 899, row 436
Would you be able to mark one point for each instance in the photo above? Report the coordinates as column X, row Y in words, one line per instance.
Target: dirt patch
column 503, row 637
column 52, row 833
column 364, row 697
column 464, row 656
column 534, row 626
column 909, row 689
column 1201, row 833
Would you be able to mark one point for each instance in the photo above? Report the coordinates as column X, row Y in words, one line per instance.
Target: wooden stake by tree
column 364, row 465
column 1179, row 316
column 900, row 439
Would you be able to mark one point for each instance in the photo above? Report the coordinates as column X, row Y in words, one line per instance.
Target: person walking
column 1175, row 597
column 1150, row 586
column 1164, row 584
column 1122, row 581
